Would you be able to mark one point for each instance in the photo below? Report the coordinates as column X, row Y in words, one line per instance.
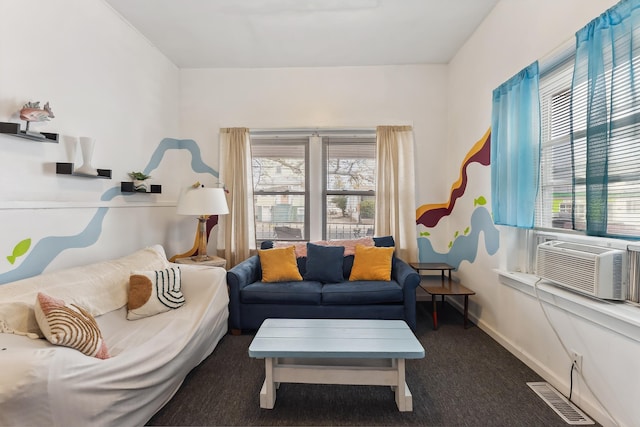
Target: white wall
column 322, row 97
column 514, row 35
column 103, row 80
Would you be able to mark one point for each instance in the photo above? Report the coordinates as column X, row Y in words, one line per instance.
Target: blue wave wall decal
column 48, row 248
column 180, row 144
column 465, row 248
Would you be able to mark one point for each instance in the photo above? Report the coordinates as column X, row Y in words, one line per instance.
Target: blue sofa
column 251, row 301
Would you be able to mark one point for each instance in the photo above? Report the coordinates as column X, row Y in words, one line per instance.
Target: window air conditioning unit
column 592, row 270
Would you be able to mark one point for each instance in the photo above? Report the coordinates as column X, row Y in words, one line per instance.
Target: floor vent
column 569, row 412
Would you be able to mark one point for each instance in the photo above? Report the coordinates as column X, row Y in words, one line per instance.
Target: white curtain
column 236, row 237
column 395, row 189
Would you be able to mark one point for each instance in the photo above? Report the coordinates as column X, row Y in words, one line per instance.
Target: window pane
column 623, row 208
column 349, row 216
column 279, row 217
column 351, row 166
column 278, row 166
column 555, row 204
column 279, row 178
column 623, row 191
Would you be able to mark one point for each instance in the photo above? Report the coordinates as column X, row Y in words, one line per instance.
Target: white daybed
column 42, row 384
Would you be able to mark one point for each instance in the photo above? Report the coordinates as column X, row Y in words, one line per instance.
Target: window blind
column 554, row 204
column 562, row 196
column 606, row 104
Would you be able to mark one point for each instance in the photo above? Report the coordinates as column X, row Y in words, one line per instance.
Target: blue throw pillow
column 267, row 244
column 324, row 263
column 347, row 266
column 384, row 242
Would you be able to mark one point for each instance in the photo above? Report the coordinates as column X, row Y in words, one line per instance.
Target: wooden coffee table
column 335, row 351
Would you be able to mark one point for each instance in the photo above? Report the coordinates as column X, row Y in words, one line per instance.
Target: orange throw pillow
column 279, row 265
column 371, row 263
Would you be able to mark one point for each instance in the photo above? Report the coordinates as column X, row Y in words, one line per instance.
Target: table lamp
column 202, row 202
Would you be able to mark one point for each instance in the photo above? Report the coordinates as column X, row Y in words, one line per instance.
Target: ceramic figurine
column 31, row 112
column 86, row 147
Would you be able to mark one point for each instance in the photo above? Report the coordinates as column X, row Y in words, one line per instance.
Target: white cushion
column 99, row 288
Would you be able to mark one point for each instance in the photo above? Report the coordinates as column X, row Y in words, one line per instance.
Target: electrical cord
column 573, row 365
column 566, row 350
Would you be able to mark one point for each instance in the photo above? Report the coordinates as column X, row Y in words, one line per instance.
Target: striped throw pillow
column 154, row 292
column 69, row 325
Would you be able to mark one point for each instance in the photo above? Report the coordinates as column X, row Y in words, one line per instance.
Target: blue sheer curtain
column 604, row 100
column 515, row 149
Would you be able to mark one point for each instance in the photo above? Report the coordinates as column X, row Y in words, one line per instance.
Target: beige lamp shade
column 203, row 201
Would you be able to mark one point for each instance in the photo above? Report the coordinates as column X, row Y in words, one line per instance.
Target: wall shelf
column 13, row 129
column 127, row 187
column 67, row 169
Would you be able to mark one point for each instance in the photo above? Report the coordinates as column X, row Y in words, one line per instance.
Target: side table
column 434, row 286
column 213, row 261
column 432, row 266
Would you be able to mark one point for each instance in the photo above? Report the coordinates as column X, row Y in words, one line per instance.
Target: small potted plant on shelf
column 139, row 179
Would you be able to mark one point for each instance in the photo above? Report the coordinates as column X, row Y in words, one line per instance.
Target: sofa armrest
column 409, row 280
column 245, row 273
column 405, row 275
column 200, row 276
column 241, row 275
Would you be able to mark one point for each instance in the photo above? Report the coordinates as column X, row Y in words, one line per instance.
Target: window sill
column 620, row 317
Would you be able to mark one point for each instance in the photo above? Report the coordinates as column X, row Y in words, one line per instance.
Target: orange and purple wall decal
column 463, row 245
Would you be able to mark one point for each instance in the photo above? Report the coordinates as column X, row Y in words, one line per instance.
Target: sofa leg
column 236, row 331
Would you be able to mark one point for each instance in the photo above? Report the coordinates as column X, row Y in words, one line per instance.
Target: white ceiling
column 304, row 33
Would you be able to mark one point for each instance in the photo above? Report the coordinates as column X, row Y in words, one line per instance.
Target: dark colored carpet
column 465, row 379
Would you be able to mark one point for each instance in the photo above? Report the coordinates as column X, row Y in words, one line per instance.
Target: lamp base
column 202, row 246
column 201, row 258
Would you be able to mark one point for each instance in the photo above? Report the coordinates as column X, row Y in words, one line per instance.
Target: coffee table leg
column 404, row 399
column 268, row 391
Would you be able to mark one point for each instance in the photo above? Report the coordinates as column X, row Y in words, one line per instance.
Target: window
column 349, row 188
column 312, row 187
column 590, row 142
column 562, row 196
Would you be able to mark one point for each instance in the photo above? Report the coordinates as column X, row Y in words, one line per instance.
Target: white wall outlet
column 576, row 360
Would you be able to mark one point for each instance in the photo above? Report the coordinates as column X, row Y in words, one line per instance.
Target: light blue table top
column 332, row 338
